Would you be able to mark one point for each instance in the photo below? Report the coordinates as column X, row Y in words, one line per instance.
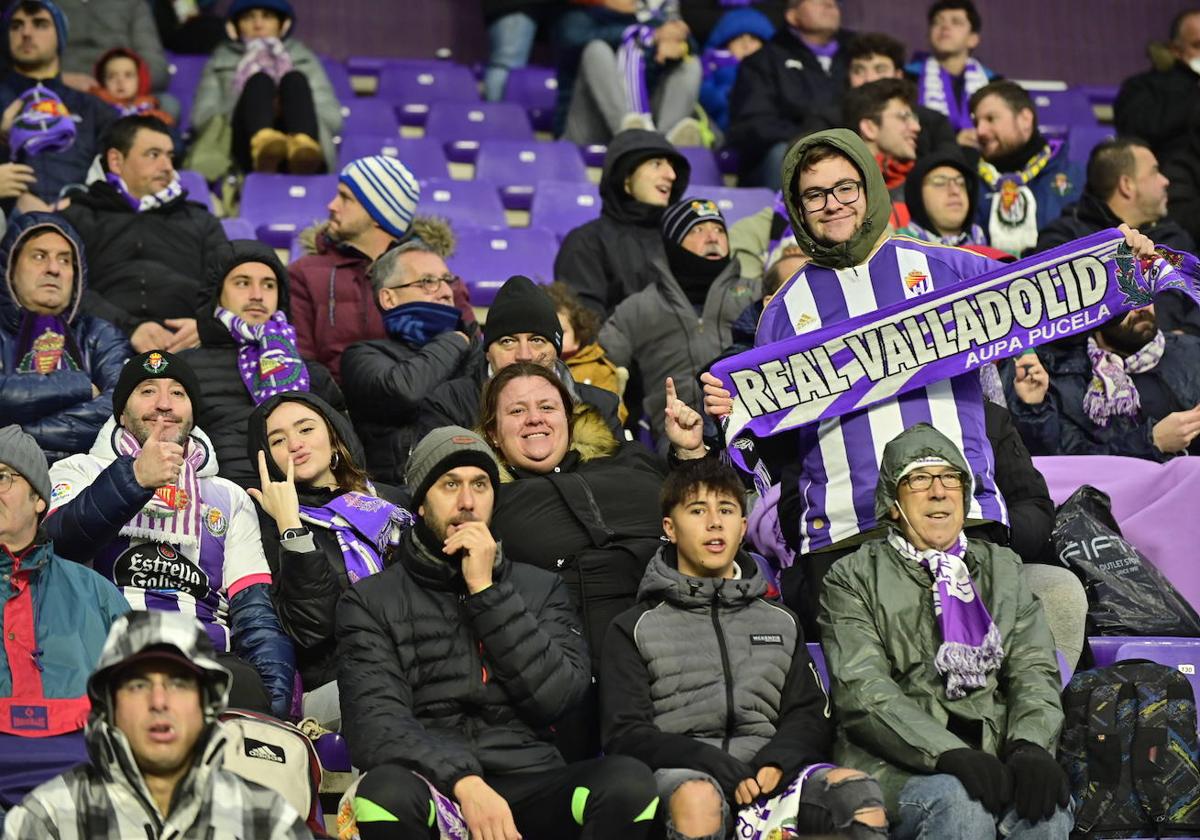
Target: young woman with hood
column 324, row 526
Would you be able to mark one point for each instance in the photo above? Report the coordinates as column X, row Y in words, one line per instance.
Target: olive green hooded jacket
column 880, row 638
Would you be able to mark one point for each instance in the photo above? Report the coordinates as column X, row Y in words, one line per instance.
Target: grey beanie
column 21, row 452
column 442, row 450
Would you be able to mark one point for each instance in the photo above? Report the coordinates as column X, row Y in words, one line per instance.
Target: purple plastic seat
column 423, row 156
column 463, row 125
column 705, row 172
column 471, row 203
column 593, row 154
column 280, row 206
column 738, row 202
column 1059, row 110
column 196, row 186
column 237, row 228
column 535, row 89
column 1083, row 138
column 727, row 160
column 185, row 78
column 517, row 167
column 486, row 257
column 339, row 79
column 562, row 206
column 370, row 116
column 413, row 88
column 372, row 65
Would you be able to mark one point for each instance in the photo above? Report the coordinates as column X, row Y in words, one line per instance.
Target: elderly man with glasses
column 386, row 380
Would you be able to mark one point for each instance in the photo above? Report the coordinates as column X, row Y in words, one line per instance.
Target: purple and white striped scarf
column 366, row 527
column 935, row 90
column 631, row 60
column 971, row 647
column 173, row 513
column 268, row 358
column 167, row 194
column 1111, row 391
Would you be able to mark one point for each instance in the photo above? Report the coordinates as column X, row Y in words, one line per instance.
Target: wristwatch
column 293, row 533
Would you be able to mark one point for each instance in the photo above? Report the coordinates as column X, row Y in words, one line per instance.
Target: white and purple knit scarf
column 268, row 358
column 173, row 513
column 263, row 55
column 631, row 60
column 970, row 648
column 1111, row 391
column 365, row 525
column 935, row 90
column 167, row 194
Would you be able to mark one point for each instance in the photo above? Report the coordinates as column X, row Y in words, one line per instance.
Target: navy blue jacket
column 57, row 408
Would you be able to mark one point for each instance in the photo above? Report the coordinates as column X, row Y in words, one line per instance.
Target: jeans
column 769, row 172
column 937, row 807
column 511, row 38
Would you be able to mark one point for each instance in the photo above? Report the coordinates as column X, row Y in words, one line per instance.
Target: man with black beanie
column 146, row 508
column 454, row 660
column 684, row 317
column 522, row 326
column 603, row 259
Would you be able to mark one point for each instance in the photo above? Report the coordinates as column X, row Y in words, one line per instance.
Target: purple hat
column 43, row 125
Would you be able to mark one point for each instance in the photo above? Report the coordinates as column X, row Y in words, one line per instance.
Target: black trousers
column 287, row 106
column 246, row 690
column 615, row 791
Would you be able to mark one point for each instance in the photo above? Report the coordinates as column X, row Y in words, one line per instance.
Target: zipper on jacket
column 725, row 669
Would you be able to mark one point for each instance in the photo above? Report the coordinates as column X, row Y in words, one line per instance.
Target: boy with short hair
column 124, row 82
column 712, row 687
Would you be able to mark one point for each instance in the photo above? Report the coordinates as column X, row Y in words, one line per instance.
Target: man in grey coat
column 682, row 319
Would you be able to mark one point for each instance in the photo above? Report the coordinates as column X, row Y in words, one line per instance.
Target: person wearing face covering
column 603, row 260
column 950, row 702
column 680, row 322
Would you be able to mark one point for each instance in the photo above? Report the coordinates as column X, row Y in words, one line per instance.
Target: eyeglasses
column 6, row 480
column 430, row 283
column 846, row 192
column 941, row 182
column 920, row 482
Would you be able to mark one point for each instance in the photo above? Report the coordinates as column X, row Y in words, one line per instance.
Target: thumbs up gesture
column 159, row 462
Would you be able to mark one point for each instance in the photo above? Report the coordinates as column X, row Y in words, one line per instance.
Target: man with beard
column 454, row 662
column 146, row 509
column 1129, row 389
column 683, row 318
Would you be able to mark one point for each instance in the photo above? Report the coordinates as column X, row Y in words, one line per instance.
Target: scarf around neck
column 366, row 527
column 268, row 359
column 173, row 513
column 45, row 344
column 1112, row 392
column 971, row 647
column 631, row 61
column 935, row 90
column 161, row 198
column 420, row 322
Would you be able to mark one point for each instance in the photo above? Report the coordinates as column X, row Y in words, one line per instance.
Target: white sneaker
column 636, row 120
column 686, row 132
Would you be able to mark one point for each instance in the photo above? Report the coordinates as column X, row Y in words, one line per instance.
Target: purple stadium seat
column 562, row 206
column 412, row 88
column 1083, row 138
column 727, row 160
column 196, row 187
column 1099, row 94
column 1059, row 110
column 339, row 79
column 472, row 203
column 462, row 125
column 372, row 65
column 370, row 116
column 280, row 206
column 593, row 154
column 185, row 77
column 517, row 167
column 705, row 172
column 423, row 156
column 535, row 89
column 237, row 228
column 738, row 202
column 486, row 257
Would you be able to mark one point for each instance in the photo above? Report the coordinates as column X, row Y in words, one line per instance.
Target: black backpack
column 1130, row 749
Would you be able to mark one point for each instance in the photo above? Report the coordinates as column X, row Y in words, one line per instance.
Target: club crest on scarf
column 1014, row 205
column 174, row 497
column 46, row 353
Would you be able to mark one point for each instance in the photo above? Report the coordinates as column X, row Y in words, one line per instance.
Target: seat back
column 486, row 257
column 517, row 166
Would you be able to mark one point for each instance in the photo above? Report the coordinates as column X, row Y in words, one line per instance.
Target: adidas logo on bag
column 267, row 752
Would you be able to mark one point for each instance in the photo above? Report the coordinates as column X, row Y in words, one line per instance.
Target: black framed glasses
column 430, row 283
column 846, row 192
column 921, row 481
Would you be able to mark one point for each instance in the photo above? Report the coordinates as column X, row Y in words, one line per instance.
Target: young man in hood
column 941, row 193
column 155, row 749
column 603, row 260
column 146, row 509
column 756, row 715
column 58, row 367
column 951, row 701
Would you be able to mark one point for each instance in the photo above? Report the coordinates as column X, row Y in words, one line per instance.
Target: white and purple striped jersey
column 839, row 458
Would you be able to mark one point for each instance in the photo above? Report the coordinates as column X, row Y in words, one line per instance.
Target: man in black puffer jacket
column 603, row 259
column 454, row 662
column 248, row 350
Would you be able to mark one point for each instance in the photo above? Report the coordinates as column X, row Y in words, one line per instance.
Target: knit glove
column 1040, row 785
column 984, row 776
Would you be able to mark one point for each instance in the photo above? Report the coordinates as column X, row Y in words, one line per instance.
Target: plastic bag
column 1127, row 596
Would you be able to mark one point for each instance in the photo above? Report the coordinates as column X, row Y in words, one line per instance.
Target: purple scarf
column 45, row 344
column 631, row 59
column 935, row 90
column 970, row 648
column 164, row 196
column 1111, row 391
column 365, row 526
column 268, row 358
column 173, row 513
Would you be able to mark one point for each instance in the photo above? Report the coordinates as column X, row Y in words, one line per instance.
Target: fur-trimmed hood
column 434, row 231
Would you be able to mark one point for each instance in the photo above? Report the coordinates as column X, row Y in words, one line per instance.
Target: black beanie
column 682, row 216
column 155, row 364
column 521, row 307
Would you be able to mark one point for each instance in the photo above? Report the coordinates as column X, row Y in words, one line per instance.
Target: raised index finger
column 264, row 477
column 670, row 385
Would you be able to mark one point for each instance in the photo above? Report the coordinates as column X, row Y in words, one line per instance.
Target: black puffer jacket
column 597, row 518
column 450, row 684
column 306, row 585
column 143, row 266
column 603, row 260
column 1159, row 105
column 386, row 382
column 227, row 403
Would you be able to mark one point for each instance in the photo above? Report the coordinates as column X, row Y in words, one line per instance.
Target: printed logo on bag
column 156, row 566
column 265, row 751
column 29, row 717
column 766, row 639
column 155, row 363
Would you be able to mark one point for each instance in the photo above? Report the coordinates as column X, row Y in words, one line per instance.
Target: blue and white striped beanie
column 386, row 190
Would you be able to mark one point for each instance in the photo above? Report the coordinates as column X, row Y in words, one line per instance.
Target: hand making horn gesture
column 159, row 462
column 278, row 498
